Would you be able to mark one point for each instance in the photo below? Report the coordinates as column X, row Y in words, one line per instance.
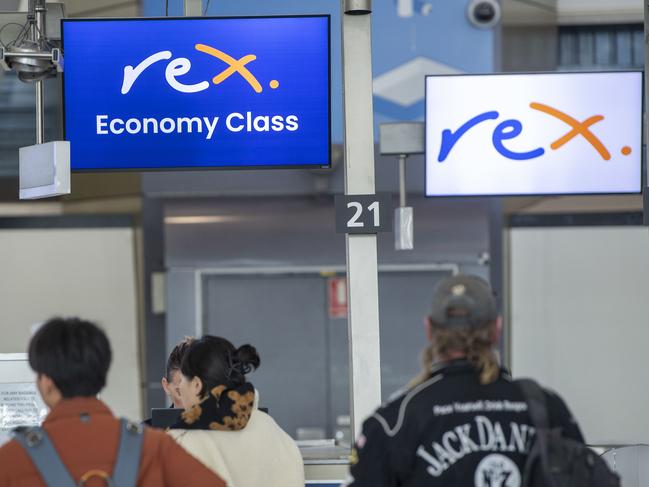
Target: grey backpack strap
column 536, row 402
column 40, row 449
column 129, row 453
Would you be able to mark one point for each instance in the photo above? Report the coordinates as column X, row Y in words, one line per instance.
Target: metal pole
column 646, row 79
column 40, row 113
column 362, row 272
column 402, row 180
column 645, row 199
column 39, row 36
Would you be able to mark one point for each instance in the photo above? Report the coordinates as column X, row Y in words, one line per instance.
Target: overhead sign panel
column 534, row 134
column 183, row 93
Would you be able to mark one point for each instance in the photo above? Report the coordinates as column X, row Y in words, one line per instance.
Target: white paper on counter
column 20, row 405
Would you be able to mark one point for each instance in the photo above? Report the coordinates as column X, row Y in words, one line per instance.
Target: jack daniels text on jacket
column 452, row 431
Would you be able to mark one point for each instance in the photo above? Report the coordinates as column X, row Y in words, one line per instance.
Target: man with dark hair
column 71, row 358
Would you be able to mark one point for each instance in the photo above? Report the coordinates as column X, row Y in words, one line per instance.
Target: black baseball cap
column 463, row 301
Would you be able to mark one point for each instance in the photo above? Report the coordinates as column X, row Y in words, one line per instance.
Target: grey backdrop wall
column 579, row 323
column 304, row 377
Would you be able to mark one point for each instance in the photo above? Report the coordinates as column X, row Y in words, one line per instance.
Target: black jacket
column 452, row 431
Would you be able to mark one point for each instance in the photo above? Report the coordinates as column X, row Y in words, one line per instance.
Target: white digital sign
column 534, row 134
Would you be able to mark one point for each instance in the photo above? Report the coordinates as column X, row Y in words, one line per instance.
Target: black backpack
column 555, row 461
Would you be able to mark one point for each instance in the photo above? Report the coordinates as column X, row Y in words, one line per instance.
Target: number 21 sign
column 367, row 213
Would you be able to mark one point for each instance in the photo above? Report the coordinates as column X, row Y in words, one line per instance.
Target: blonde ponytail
column 475, row 343
column 427, row 360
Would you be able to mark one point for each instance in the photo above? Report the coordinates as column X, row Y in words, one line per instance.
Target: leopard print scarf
column 222, row 409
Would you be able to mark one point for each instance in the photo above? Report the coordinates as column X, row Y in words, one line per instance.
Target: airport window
column 601, row 47
column 18, row 118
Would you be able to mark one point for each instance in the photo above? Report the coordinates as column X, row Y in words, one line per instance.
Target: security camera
column 484, row 14
column 32, row 54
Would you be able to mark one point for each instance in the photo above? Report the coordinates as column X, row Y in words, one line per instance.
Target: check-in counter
column 325, row 463
column 630, row 462
column 327, row 466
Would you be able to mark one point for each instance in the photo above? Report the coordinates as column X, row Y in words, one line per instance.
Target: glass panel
column 273, row 313
column 604, row 48
column 638, row 48
column 404, row 300
column 586, row 49
column 18, row 118
column 624, row 50
column 567, row 48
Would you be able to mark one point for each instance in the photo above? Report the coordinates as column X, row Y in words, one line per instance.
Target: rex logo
column 181, row 66
column 512, row 128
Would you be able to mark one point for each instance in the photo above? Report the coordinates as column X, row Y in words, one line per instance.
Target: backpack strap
column 129, row 453
column 538, row 408
column 43, row 455
column 536, row 402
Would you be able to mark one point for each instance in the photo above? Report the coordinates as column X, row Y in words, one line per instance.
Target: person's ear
column 197, row 385
column 497, row 331
column 428, row 328
column 48, row 390
column 41, row 384
column 166, row 386
column 46, row 384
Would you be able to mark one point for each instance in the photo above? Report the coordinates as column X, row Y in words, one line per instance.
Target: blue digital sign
column 179, row 93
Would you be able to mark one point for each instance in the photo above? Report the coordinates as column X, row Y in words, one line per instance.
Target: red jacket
column 92, row 444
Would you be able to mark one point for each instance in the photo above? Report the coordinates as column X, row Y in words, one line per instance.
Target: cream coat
column 260, row 455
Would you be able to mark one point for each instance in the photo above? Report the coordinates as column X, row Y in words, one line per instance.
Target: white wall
column 600, row 11
column 580, row 323
column 88, row 273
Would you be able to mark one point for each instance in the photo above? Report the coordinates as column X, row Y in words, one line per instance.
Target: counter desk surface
column 325, row 463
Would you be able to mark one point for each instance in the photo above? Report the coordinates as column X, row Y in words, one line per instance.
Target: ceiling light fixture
column 199, row 219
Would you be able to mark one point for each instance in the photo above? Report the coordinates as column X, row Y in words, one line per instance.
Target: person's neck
column 449, row 357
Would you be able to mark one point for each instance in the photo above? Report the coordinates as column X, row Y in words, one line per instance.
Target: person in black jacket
column 462, row 422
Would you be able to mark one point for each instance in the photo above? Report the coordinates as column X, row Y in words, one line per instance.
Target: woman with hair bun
column 221, row 425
